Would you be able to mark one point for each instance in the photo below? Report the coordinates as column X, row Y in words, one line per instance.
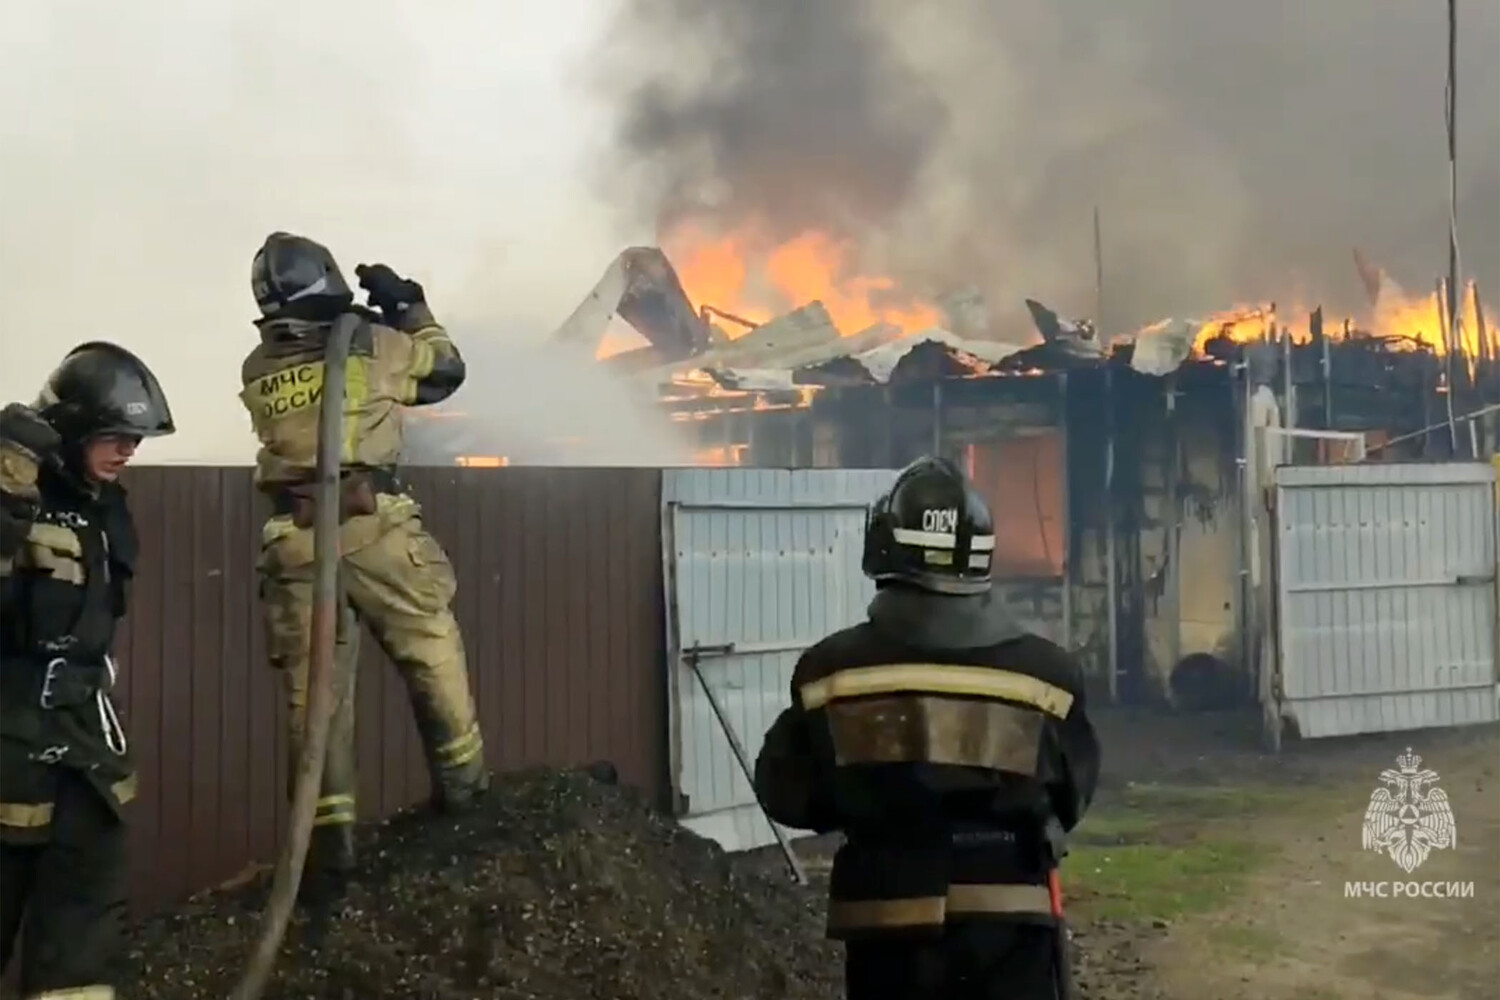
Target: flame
column 721, row 455
column 482, row 461
column 1410, row 321
column 745, row 274
column 618, row 342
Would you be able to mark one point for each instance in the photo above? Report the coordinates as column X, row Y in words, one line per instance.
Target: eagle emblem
column 1409, row 817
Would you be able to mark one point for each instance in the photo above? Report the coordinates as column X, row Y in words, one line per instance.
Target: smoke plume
column 1236, row 151
column 545, row 404
column 147, row 149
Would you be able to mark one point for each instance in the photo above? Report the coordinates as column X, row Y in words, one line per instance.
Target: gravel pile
column 562, row 887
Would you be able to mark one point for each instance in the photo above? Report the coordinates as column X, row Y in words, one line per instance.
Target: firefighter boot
column 330, row 861
column 460, row 790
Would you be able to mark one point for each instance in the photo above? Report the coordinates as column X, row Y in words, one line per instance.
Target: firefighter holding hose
column 953, row 751
column 67, row 555
column 394, row 576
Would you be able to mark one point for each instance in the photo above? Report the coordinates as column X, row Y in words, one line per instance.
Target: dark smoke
column 800, row 114
column 1236, row 150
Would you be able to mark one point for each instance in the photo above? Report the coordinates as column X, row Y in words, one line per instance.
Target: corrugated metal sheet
column 873, row 364
column 559, row 595
column 766, row 561
column 1386, row 592
column 803, row 348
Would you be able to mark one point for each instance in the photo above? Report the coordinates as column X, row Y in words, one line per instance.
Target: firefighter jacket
column 388, row 368
column 944, row 743
column 66, row 562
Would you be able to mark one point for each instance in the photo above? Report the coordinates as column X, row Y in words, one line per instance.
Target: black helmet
column 295, row 277
column 932, row 530
column 102, row 388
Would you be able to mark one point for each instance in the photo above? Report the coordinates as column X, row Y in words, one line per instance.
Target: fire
column 744, row 274
column 1410, row 320
column 721, row 455
column 616, row 341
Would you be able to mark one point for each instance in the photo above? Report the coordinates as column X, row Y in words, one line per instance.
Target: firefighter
column 67, row 555
column 394, row 576
column 952, row 750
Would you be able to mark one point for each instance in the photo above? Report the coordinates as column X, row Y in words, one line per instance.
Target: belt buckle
column 54, row 754
column 48, row 699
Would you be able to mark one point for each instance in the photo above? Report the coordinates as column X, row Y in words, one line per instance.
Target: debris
column 563, row 886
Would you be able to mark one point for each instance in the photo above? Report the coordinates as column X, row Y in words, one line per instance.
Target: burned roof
column 804, row 349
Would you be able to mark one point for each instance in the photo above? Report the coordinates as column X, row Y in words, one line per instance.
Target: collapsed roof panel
column 882, row 355
column 640, row 287
column 873, row 357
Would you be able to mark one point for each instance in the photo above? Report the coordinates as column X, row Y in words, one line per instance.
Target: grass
column 1158, row 852
column 1139, row 882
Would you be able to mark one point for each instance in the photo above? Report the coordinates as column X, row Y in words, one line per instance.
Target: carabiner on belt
column 48, row 699
column 109, row 721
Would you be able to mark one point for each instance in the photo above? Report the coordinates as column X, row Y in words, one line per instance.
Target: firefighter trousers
column 66, row 897
column 972, row 961
column 396, row 579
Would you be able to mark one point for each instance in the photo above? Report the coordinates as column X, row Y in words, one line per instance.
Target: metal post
column 937, row 417
column 1445, row 325
column 1174, row 528
column 1488, row 368
column 1327, row 368
column 1455, row 287
column 1288, row 385
column 693, row 654
column 1067, row 516
column 320, row 700
column 1110, row 569
column 1244, row 451
column 1111, row 583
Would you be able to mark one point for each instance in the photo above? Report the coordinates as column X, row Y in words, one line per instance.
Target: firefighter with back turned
column 394, row 576
column 952, row 750
column 67, row 555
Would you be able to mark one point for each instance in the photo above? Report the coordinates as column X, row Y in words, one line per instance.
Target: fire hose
column 320, row 699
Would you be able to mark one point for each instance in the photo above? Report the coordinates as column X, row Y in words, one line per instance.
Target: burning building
column 1124, row 472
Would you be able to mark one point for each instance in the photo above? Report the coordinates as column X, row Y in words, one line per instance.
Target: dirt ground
column 1206, row 871
column 1224, row 869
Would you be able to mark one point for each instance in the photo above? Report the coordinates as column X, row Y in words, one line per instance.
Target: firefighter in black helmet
column 394, row 576
column 67, row 555
column 952, row 750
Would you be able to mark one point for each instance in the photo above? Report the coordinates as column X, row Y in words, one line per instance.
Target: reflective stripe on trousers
column 924, row 911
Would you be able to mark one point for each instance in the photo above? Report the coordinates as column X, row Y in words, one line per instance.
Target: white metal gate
column 758, row 564
column 1386, row 596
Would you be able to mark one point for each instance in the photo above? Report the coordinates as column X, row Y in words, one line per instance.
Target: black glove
column 27, row 442
column 23, row 428
column 387, row 290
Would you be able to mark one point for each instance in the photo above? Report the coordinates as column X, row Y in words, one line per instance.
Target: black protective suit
column 953, row 750
column 940, row 740
column 67, row 554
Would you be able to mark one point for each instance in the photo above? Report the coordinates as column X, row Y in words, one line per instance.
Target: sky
column 147, row 149
column 502, row 154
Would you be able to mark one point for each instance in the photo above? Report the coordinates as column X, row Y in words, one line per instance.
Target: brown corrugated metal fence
column 560, row 600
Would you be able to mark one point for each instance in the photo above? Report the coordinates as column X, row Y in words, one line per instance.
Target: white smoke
column 147, row 149
column 545, row 404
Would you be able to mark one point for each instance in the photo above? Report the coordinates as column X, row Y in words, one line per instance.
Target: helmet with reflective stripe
column 294, row 277
column 932, row 530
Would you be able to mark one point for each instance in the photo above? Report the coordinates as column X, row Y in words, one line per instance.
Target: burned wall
column 1065, row 459
column 1190, row 543
column 1152, row 460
